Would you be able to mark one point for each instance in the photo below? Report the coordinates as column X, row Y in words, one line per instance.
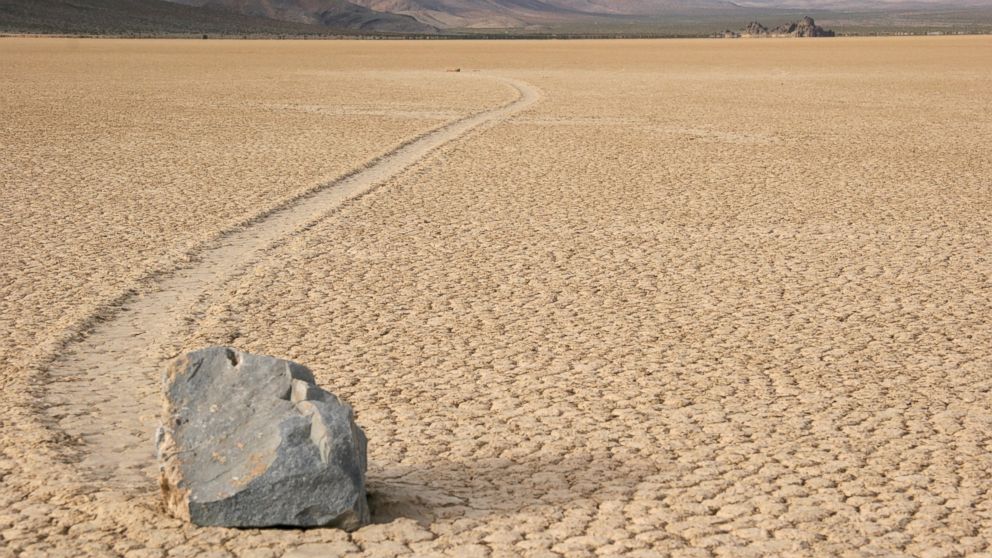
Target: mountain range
column 463, row 14
column 140, row 18
column 502, row 14
column 430, row 17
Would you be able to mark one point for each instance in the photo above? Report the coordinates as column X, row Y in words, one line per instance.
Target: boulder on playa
column 252, row 441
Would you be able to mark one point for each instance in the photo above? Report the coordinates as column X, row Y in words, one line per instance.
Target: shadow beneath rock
column 501, row 487
column 389, row 501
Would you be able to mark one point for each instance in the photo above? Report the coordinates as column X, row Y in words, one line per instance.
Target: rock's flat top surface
column 252, row 441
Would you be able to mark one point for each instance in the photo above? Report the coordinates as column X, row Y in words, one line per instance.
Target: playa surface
column 701, row 297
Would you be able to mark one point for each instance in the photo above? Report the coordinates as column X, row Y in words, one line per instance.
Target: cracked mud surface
column 704, row 298
column 130, row 350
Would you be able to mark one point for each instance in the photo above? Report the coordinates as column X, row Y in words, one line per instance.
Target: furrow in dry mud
column 104, row 388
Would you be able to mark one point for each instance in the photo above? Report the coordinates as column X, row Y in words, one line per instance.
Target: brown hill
column 330, row 13
column 525, row 13
column 479, row 14
column 140, row 17
column 476, row 13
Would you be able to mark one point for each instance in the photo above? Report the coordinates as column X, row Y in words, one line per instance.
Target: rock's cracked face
column 252, row 441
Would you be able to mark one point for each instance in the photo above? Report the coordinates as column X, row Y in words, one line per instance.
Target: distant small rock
column 252, row 441
column 454, row 69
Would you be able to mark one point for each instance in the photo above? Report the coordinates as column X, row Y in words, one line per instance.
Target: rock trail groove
column 104, row 387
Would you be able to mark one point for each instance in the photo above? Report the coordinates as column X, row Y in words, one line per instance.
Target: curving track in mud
column 104, row 387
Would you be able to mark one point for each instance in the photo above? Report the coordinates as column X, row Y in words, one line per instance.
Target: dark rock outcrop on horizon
column 805, row 27
column 755, row 28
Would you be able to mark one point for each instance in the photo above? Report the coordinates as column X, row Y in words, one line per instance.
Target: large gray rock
column 251, row 441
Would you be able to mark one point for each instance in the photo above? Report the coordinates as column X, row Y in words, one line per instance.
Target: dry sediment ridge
column 98, row 394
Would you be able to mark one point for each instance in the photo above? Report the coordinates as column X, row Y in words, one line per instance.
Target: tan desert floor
column 120, row 158
column 700, row 298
